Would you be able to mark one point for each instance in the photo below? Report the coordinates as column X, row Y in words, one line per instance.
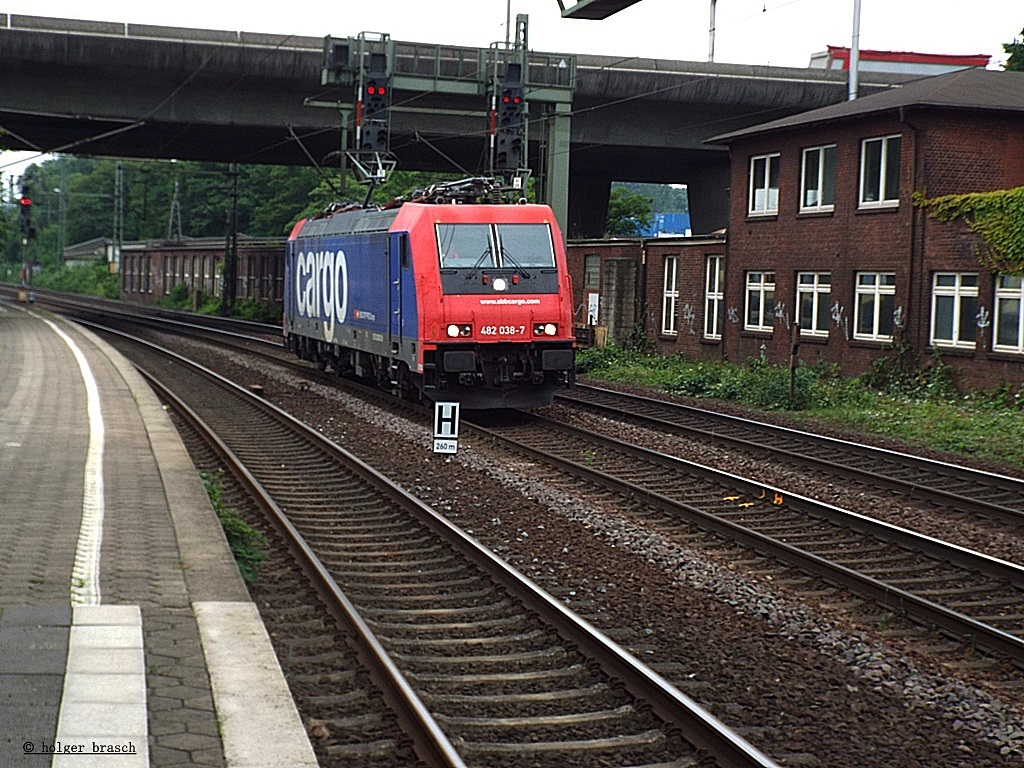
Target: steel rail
column 953, row 622
column 429, row 740
column 997, row 482
column 681, row 713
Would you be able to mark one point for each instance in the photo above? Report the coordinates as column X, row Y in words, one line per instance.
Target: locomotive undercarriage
column 385, row 373
column 498, row 375
column 478, row 376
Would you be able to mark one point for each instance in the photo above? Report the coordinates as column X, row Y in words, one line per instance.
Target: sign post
column 446, row 427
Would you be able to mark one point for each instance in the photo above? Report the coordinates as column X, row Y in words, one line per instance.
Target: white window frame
column 768, row 205
column 714, row 296
column 960, row 290
column 759, row 283
column 881, row 201
column 883, row 285
column 828, row 150
column 819, row 291
column 669, row 296
column 1008, row 289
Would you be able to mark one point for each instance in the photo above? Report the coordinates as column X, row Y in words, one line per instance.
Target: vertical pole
column 62, row 212
column 115, row 256
column 508, row 23
column 711, row 33
column 854, row 51
column 230, row 290
column 794, row 361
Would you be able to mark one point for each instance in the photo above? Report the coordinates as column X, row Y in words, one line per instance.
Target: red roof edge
column 842, row 53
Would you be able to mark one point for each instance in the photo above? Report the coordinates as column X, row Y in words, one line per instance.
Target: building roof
column 967, row 89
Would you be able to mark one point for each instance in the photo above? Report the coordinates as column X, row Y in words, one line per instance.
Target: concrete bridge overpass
column 125, row 90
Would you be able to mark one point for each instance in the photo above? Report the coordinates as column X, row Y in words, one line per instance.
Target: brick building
column 150, row 270
column 823, row 232
column 659, row 287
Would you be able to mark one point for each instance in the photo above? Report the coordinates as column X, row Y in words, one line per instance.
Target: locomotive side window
column 526, row 245
column 465, row 245
column 403, row 245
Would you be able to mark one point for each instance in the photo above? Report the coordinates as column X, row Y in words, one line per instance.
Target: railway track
column 482, row 667
column 986, row 494
column 970, row 596
column 673, row 530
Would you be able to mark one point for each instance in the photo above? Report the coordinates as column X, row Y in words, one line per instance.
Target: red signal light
column 26, row 201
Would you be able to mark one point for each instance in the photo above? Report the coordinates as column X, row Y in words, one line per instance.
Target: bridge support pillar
column 707, row 187
column 588, row 205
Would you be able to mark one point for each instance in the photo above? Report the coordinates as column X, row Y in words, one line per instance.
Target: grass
column 909, row 403
column 247, row 544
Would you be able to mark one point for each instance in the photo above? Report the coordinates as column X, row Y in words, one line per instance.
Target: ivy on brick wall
column 996, row 217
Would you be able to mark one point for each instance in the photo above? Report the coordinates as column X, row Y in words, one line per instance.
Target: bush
column 909, row 403
column 760, row 385
column 902, row 375
column 257, row 311
column 178, row 298
column 91, row 280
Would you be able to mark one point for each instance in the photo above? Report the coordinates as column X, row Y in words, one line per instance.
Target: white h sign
column 446, row 427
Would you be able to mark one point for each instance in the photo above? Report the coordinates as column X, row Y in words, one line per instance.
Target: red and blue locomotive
column 436, row 299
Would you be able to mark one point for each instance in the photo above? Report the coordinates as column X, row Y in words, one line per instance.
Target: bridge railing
column 448, row 62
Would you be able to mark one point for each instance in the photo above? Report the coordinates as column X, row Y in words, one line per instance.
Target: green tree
column 1016, row 51
column 73, row 200
column 628, row 212
column 667, row 198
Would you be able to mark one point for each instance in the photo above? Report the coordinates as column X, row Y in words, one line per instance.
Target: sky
column 772, row 32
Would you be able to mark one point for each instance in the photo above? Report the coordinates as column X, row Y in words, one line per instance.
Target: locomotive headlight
column 544, row 329
column 454, row 330
column 500, row 284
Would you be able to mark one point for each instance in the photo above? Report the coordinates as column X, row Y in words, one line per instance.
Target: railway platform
column 127, row 637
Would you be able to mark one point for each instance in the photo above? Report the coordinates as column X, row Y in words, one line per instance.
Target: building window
column 591, row 272
column 764, row 184
column 954, row 309
column 760, row 301
column 880, row 172
column 669, row 296
column 1009, row 330
column 875, row 307
column 714, row 297
column 818, row 186
column 813, row 294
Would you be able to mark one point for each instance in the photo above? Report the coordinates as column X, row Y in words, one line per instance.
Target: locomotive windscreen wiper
column 479, row 263
column 505, row 255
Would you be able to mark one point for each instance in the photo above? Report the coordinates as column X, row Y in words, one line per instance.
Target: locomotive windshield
column 465, row 245
column 501, row 246
column 525, row 245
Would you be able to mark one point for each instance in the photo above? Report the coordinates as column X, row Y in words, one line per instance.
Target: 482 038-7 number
column 502, row 330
